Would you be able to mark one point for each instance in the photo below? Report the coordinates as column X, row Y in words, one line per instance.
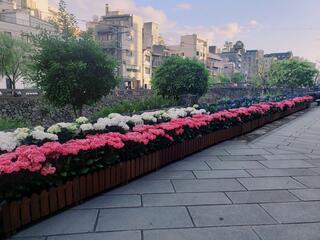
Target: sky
column 270, row 25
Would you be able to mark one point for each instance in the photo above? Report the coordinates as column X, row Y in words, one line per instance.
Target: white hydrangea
column 8, row 142
column 196, row 106
column 82, row 120
column 39, row 128
column 40, row 135
column 73, row 127
column 124, row 126
column 21, row 133
column 54, row 129
column 114, row 115
column 65, row 125
column 149, row 117
column 86, row 127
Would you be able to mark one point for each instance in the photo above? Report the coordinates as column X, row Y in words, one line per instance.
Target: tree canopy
column 71, row 68
column 292, row 73
column 178, row 76
column 14, row 57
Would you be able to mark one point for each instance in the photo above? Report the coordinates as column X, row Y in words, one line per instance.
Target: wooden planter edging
column 17, row 214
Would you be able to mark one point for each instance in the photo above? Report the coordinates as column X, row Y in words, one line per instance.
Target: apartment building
column 253, row 63
column 121, row 35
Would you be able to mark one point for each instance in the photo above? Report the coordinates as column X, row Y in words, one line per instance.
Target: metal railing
column 19, row 93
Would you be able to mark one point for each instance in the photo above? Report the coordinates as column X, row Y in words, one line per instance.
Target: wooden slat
column 95, row 180
column 53, row 200
column 35, row 207
column 69, row 193
column 83, row 187
column 25, row 211
column 102, row 181
column 76, row 190
column 107, row 178
column 89, row 185
column 6, row 218
column 61, row 195
column 15, row 215
column 44, row 204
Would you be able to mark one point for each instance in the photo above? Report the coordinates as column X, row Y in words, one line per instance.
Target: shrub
column 178, row 76
column 137, row 105
column 10, row 123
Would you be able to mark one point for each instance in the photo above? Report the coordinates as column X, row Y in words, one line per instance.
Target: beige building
column 253, row 63
column 147, row 69
column 215, row 64
column 151, row 35
column 120, row 35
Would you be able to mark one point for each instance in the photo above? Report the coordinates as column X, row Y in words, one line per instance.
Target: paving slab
column 207, row 185
column 221, row 174
column 112, row 202
column 291, row 156
column 248, row 151
column 187, row 165
column 227, row 215
column 132, row 235
column 184, row 199
column 140, row 187
column 219, row 233
column 310, row 231
column 294, row 212
column 307, row 194
column 310, row 181
column 68, row 222
column 262, row 196
column 242, row 158
column 235, row 164
column 265, row 183
column 143, row 218
column 163, row 175
column 281, row 172
column 287, row 164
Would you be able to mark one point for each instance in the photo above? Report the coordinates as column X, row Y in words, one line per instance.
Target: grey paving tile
column 287, row 164
column 281, row 172
column 227, row 215
column 68, row 222
column 140, row 187
column 218, row 233
column 310, row 181
column 294, row 212
column 132, row 235
column 162, row 175
column 143, row 218
column 235, row 164
column 242, row 158
column 295, row 149
column 307, row 194
column 309, row 231
column 187, row 165
column 112, row 202
column 212, row 152
column 261, row 196
column 26, row 238
column 265, row 183
column 196, row 158
column 221, row 174
column 175, row 199
column 274, row 150
column 207, row 185
column 248, row 151
column 314, row 156
column 291, row 156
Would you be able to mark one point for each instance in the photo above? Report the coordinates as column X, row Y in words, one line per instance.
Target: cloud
column 184, row 6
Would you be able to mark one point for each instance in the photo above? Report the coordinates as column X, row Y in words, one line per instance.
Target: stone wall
column 36, row 111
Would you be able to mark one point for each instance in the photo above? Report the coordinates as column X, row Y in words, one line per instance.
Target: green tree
column 14, row 57
column 71, row 69
column 237, row 78
column 292, row 73
column 178, row 76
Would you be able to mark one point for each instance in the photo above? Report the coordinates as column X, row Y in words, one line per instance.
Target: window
column 148, row 58
column 147, row 70
column 197, row 53
column 182, row 54
column 8, row 33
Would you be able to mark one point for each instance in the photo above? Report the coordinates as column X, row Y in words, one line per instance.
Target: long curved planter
column 17, row 214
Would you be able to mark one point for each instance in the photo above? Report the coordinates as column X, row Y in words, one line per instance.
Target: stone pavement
column 266, row 189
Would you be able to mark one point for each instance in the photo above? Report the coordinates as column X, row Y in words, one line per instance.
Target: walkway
column 266, row 189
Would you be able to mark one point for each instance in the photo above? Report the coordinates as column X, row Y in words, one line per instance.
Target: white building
column 120, row 35
column 151, row 35
column 18, row 17
column 147, row 69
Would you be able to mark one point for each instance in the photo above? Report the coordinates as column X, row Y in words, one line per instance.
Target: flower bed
column 36, row 181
